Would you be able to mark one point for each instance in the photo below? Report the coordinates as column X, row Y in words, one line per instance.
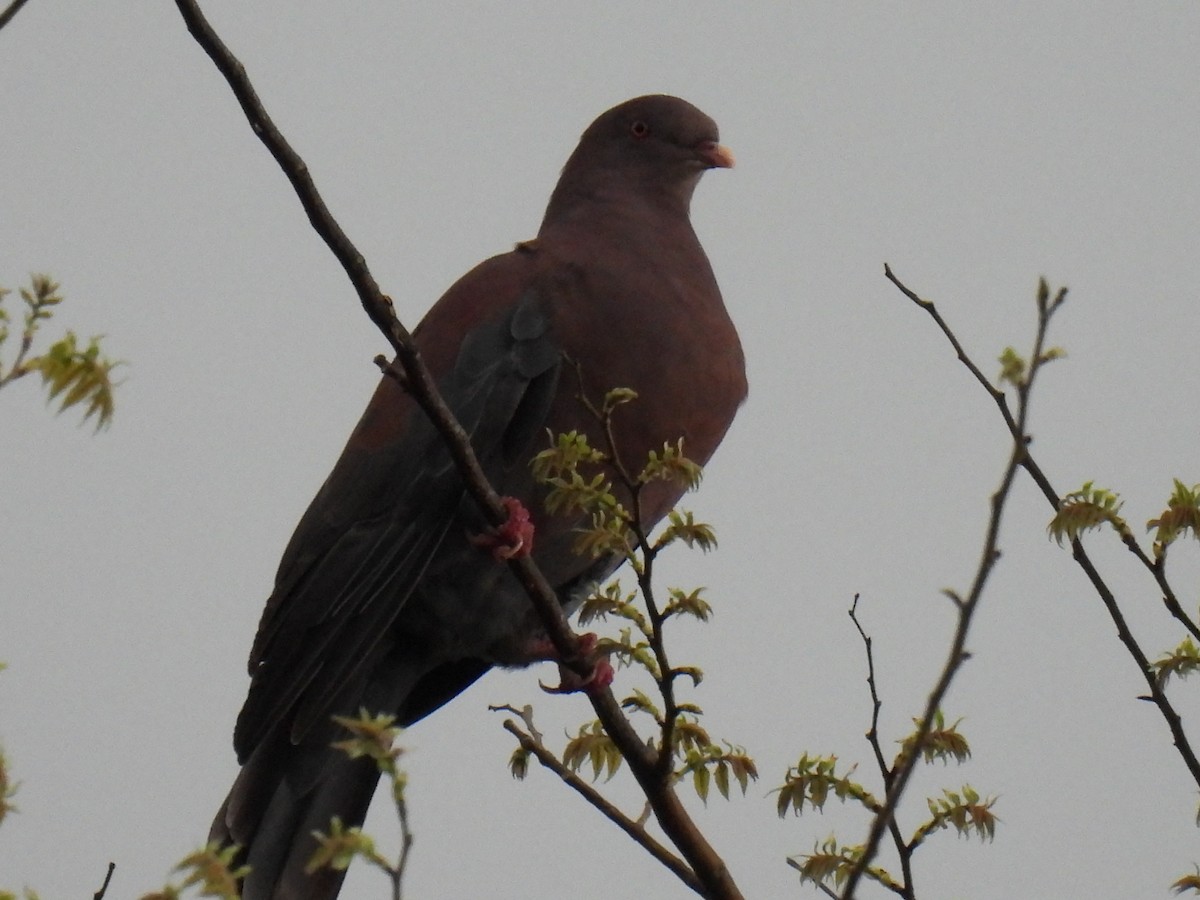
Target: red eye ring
column 639, row 129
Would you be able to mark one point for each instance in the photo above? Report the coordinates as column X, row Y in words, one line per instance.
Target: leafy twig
column 373, row 737
column 642, row 561
column 581, row 479
column 75, row 375
column 212, row 870
column 531, row 743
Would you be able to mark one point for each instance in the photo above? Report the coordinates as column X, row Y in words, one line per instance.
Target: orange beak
column 716, row 155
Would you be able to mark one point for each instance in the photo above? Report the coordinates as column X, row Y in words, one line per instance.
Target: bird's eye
column 639, row 129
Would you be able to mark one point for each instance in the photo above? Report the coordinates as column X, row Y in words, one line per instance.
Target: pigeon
column 387, row 597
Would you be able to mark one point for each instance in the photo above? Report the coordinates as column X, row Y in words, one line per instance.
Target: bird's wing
column 363, row 545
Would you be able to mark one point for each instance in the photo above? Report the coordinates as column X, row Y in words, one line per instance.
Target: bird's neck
column 577, row 202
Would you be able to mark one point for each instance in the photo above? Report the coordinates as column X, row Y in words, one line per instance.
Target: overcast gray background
column 972, row 146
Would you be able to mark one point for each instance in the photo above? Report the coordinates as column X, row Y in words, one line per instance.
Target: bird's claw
column 571, row 682
column 511, row 540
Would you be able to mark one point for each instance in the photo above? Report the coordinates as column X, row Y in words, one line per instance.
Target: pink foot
column 570, row 681
column 512, row 539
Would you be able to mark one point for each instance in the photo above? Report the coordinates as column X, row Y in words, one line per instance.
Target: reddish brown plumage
column 382, row 598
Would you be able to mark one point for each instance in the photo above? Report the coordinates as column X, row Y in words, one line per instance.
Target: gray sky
column 972, row 146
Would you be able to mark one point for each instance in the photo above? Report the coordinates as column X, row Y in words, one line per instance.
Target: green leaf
column 629, row 652
column 683, row 527
column 689, row 734
column 689, row 604
column 710, row 764
column 830, row 862
column 1181, row 662
column 671, row 465
column 610, row 601
column 721, row 777
column 941, row 743
column 211, row 869
column 567, row 452
column 617, row 397
column 700, row 780
column 7, row 789
column 1013, row 367
column 1084, row 510
column 1181, row 515
column 592, row 745
column 609, row 535
column 373, row 737
column 639, row 701
column 1187, row 883
column 80, row 376
column 692, row 672
column 337, row 849
column 812, row 780
column 518, row 763
column 965, row 811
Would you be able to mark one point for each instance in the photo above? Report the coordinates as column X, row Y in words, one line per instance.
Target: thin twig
column 630, row 826
column 709, row 868
column 1158, row 568
column 41, row 292
column 406, row 842
column 6, row 16
column 99, row 895
column 876, row 704
column 903, row 849
column 1126, row 636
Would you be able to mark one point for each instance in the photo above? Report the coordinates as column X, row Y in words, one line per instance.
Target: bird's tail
column 283, row 794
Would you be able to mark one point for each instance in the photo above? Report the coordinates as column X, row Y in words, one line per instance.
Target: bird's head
column 655, row 145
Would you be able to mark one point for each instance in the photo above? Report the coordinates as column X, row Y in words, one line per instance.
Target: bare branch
column 903, row 849
column 1158, row 569
column 378, row 307
column 406, row 842
column 631, row 827
column 99, row 895
column 13, row 8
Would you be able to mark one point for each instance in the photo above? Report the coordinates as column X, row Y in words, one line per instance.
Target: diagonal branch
column 10, row 11
column 631, row 827
column 1158, row 569
column 409, row 366
column 99, row 895
column 710, row 870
